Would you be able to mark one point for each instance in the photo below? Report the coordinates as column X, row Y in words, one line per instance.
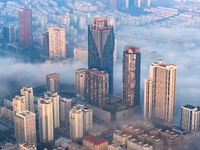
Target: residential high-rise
column 101, row 43
column 8, row 34
column 25, row 127
column 146, row 3
column 80, row 119
column 19, row 104
column 190, row 118
column 159, row 91
column 53, row 83
column 80, row 81
column 57, row 43
column 123, row 4
column 25, row 28
column 65, row 106
column 29, row 98
column 46, row 129
column 131, row 76
column 97, row 92
column 55, row 98
column 81, row 54
column 45, row 44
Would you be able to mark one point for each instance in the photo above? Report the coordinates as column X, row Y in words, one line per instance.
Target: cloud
column 15, row 74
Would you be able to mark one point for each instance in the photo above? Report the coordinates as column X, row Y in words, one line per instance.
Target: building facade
column 80, row 118
column 25, row 127
column 46, row 128
column 131, row 76
column 55, row 98
column 65, row 106
column 45, row 44
column 19, row 103
column 190, row 118
column 57, row 43
column 9, row 34
column 81, row 82
column 53, row 83
column 29, row 98
column 25, row 28
column 101, row 44
column 95, row 144
column 81, row 54
column 97, row 92
column 159, row 91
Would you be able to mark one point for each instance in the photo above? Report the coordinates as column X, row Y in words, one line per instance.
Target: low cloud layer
column 180, row 46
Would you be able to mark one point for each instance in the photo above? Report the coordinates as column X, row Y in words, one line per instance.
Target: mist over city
column 53, row 61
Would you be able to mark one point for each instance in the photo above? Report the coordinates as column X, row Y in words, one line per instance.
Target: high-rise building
column 65, row 106
column 146, row 3
column 190, row 118
column 131, row 76
column 55, row 98
column 25, row 28
column 101, row 43
column 123, row 4
column 81, row 54
column 45, row 44
column 97, row 92
column 57, row 43
column 19, row 104
column 159, row 91
column 80, row 119
column 25, row 127
column 46, row 129
column 29, row 98
column 53, row 83
column 81, row 82
column 8, row 34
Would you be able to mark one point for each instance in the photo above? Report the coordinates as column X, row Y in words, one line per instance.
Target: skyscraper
column 65, row 106
column 55, row 98
column 25, row 28
column 57, row 43
column 190, row 118
column 159, row 91
column 101, row 47
column 53, row 83
column 45, row 44
column 80, row 82
column 80, row 119
column 131, row 76
column 19, row 103
column 97, row 92
column 46, row 129
column 29, row 98
column 123, row 4
column 25, row 127
column 8, row 34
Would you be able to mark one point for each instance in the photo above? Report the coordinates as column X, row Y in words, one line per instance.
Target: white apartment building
column 29, row 98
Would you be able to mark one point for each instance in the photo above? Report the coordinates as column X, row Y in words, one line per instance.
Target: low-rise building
column 120, row 138
column 94, row 144
column 74, row 146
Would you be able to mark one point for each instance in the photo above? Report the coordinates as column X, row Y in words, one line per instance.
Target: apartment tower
column 19, row 103
column 57, row 43
column 159, row 91
column 25, row 127
column 25, row 28
column 65, row 106
column 46, row 129
column 101, row 44
column 131, row 76
column 29, row 98
column 80, row 82
column 190, row 118
column 97, row 92
column 55, row 98
column 53, row 83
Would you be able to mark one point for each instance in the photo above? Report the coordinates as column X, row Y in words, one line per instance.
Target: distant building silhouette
column 53, row 83
column 8, row 34
column 101, row 43
column 45, row 44
column 131, row 76
column 25, row 28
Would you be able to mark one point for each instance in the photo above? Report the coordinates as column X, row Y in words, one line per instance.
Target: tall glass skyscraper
column 101, row 41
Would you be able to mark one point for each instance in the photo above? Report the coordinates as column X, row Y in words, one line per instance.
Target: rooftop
column 131, row 49
column 95, row 141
